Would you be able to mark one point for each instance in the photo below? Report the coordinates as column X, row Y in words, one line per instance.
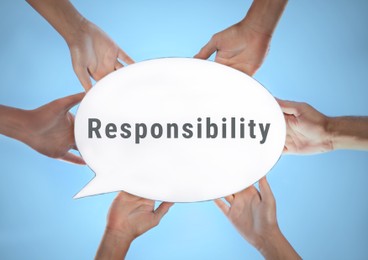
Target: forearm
column 113, row 246
column 263, row 15
column 13, row 122
column 349, row 132
column 277, row 247
column 61, row 14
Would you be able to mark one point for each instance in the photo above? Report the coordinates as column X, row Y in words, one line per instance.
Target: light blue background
column 319, row 55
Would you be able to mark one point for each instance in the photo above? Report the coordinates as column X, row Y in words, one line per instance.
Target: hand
column 253, row 213
column 307, row 129
column 131, row 216
column 50, row 129
column 244, row 45
column 239, row 47
column 94, row 54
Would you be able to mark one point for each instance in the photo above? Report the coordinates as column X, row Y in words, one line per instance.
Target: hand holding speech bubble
column 179, row 130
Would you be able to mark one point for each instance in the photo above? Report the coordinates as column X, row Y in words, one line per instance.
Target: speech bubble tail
column 94, row 187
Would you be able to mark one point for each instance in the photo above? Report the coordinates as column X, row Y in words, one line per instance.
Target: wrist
column 114, row 245
column 267, row 239
column 263, row 15
column 14, row 123
column 272, row 244
column 331, row 134
column 120, row 235
column 72, row 35
column 349, row 132
column 276, row 246
column 70, row 21
column 61, row 14
column 247, row 24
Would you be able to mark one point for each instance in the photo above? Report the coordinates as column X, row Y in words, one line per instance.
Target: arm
column 253, row 213
column 244, row 45
column 48, row 129
column 309, row 131
column 93, row 52
column 349, row 132
column 129, row 217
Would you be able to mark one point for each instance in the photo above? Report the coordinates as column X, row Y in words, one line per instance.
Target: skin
column 311, row 132
column 253, row 214
column 244, row 46
column 48, row 129
column 129, row 217
column 93, row 53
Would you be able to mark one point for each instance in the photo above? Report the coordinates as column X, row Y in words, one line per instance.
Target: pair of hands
column 252, row 212
column 94, row 54
column 242, row 46
column 50, row 129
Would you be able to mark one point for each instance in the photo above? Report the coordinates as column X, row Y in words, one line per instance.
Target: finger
column 206, row 51
column 229, row 198
column 289, row 142
column 72, row 158
column 222, row 205
column 120, row 195
column 265, row 190
column 125, row 57
column 226, row 61
column 123, row 197
column 128, row 196
column 249, row 190
column 289, row 107
column 118, row 65
column 70, row 101
column 162, row 210
column 248, row 194
column 83, row 77
column 101, row 71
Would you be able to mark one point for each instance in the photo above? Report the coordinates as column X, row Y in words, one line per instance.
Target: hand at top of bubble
column 244, row 46
column 94, row 54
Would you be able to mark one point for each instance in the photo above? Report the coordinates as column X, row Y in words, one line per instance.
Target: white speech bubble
column 170, row 164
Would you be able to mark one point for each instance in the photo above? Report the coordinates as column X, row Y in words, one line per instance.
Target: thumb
column 83, row 76
column 289, row 107
column 206, row 51
column 72, row 158
column 162, row 210
column 125, row 57
column 222, row 206
column 70, row 101
column 265, row 190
